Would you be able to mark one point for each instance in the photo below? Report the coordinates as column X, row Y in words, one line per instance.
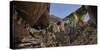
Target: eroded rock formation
column 27, row 13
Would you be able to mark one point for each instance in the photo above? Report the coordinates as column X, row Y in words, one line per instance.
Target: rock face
column 93, row 15
column 31, row 12
column 26, row 13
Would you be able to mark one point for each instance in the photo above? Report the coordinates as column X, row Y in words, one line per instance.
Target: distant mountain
column 55, row 18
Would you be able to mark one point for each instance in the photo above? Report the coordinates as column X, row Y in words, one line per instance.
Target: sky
column 86, row 18
column 62, row 10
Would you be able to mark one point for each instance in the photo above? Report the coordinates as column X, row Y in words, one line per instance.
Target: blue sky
column 62, row 10
column 86, row 18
